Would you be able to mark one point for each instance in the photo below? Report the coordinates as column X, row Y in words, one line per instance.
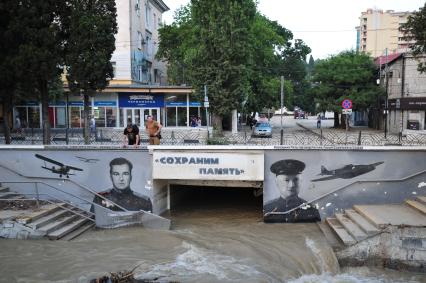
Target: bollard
column 321, row 137
column 359, row 138
column 245, row 137
column 400, row 137
column 282, row 137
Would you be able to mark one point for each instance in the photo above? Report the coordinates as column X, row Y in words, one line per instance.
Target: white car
column 285, row 111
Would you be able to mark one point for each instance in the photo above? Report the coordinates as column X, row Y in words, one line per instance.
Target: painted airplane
column 61, row 170
column 87, row 160
column 346, row 172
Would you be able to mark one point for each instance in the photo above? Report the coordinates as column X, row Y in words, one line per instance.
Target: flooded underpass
column 217, row 236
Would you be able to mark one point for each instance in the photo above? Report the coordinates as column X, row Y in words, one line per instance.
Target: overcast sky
column 327, row 26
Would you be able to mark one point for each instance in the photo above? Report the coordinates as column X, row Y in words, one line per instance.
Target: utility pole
column 386, row 99
column 282, row 106
column 206, row 105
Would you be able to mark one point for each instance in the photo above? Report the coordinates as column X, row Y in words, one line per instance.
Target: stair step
column 417, row 205
column 331, row 237
column 363, row 223
column 37, row 214
column 8, row 195
column 77, row 232
column 59, row 223
column 354, row 230
column 4, row 189
column 49, row 218
column 392, row 214
column 344, row 236
column 421, row 199
column 71, row 226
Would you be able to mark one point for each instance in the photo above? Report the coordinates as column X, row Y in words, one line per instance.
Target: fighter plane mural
column 87, row 160
column 346, row 172
column 61, row 170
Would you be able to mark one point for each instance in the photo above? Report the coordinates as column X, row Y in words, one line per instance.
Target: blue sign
column 76, row 103
column 147, row 100
column 195, row 104
column 57, row 103
column 177, row 103
column 105, row 103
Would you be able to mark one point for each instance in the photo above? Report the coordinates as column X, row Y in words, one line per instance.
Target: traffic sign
column 346, row 111
column 347, row 104
column 206, row 104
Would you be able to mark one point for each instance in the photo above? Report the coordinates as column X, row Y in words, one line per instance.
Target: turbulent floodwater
column 206, row 244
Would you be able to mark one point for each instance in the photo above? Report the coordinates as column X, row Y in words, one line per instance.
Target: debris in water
column 126, row 276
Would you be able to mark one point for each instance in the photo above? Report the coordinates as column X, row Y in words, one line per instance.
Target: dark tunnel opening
column 196, row 198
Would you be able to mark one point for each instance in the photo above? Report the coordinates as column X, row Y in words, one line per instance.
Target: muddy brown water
column 208, row 243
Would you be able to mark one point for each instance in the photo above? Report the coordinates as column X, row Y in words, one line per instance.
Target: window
column 140, row 40
column 155, row 21
column 114, row 68
column 148, row 15
column 138, row 7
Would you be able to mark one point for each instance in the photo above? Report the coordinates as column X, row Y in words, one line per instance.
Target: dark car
column 299, row 114
column 262, row 129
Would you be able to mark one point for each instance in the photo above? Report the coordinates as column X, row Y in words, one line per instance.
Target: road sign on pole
column 347, row 104
column 346, row 111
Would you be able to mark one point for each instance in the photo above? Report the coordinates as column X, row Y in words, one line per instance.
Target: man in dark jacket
column 280, row 209
column 131, row 135
column 121, row 193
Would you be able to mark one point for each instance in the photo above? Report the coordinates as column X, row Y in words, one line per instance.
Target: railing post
column 359, row 138
column 245, row 136
column 281, row 136
column 37, row 195
column 321, row 137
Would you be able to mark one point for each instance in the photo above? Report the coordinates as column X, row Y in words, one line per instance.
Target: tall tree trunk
column 7, row 110
column 336, row 119
column 217, row 125
column 86, row 118
column 45, row 111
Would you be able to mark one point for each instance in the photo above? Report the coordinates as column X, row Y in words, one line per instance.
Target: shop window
column 181, row 116
column 171, row 117
column 111, row 116
column 60, row 117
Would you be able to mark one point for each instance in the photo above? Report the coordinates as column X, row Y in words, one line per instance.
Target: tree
column 415, row 30
column 35, row 51
column 346, row 75
column 90, row 29
column 241, row 62
column 222, row 58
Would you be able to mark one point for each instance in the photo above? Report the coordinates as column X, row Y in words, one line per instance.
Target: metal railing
column 198, row 136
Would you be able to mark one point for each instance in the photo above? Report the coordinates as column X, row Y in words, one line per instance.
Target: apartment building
column 137, row 42
column 380, row 30
column 406, row 93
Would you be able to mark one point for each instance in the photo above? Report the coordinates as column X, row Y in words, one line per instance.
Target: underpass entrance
column 210, row 199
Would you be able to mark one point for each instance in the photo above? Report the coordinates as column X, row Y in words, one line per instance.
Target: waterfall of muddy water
column 209, row 242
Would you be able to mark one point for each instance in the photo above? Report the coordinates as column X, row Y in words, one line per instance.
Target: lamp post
column 282, row 105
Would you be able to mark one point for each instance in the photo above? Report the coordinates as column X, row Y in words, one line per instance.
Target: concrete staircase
column 366, row 221
column 53, row 221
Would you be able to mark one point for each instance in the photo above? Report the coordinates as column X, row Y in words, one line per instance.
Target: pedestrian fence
column 293, row 137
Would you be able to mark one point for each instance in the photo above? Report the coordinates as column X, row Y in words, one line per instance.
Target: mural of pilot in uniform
column 287, row 180
column 121, row 193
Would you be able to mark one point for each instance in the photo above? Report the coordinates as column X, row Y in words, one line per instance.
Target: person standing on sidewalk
column 319, row 121
column 153, row 128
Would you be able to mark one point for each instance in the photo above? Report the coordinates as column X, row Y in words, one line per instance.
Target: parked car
column 299, row 114
column 262, row 129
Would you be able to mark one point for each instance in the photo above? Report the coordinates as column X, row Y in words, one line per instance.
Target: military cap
column 287, row 167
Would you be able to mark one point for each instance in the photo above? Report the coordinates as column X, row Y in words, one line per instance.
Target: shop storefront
column 408, row 113
column 115, row 108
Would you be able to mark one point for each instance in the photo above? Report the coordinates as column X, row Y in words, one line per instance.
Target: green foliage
column 346, row 75
column 90, row 29
column 237, row 52
column 415, row 29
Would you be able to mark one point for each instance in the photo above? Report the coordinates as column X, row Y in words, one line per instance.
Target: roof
column 381, row 60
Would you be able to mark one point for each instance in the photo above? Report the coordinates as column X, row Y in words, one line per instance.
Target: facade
column 139, row 87
column 406, row 94
column 380, row 30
